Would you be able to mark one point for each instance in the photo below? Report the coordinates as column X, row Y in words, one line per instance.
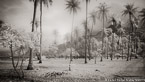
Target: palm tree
column 130, row 10
column 121, row 31
column 143, row 16
column 46, row 3
column 36, row 24
column 93, row 20
column 114, row 30
column 86, row 29
column 72, row 6
column 30, row 65
column 102, row 13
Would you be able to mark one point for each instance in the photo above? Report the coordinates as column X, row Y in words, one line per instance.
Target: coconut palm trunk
column 107, row 49
column 86, row 28
column 112, row 46
column 122, row 45
column 130, row 17
column 72, row 5
column 89, row 45
column 102, row 39
column 128, row 48
column 40, row 60
column 130, row 36
column 71, row 57
column 30, row 65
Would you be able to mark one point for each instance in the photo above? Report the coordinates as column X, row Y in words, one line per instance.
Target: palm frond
column 142, row 16
column 129, row 9
column 72, row 5
column 103, row 9
column 93, row 17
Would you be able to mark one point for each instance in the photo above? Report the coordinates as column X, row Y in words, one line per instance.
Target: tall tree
column 45, row 3
column 121, row 31
column 86, row 29
column 30, row 65
column 103, row 13
column 114, row 30
column 130, row 10
column 72, row 6
column 142, row 17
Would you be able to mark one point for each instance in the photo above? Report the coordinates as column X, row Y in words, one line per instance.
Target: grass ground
column 56, row 70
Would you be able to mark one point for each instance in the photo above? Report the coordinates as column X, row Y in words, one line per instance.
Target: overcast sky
column 19, row 14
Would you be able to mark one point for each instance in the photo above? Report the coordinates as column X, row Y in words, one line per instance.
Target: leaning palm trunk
column 30, row 65
column 40, row 60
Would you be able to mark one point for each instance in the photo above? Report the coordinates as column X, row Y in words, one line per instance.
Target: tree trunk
column 95, row 57
column 107, row 50
column 86, row 27
column 89, row 48
column 122, row 51
column 21, row 67
column 131, row 24
column 13, row 62
column 34, row 15
column 102, row 39
column 112, row 46
column 89, row 45
column 128, row 48
column 71, row 57
column 40, row 60
column 30, row 65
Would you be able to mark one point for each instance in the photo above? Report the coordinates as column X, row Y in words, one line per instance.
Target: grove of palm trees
column 72, row 41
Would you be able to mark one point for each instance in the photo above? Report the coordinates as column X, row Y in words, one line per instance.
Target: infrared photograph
column 72, row 40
